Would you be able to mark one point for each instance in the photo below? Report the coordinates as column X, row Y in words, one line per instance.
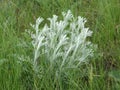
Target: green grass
column 102, row 72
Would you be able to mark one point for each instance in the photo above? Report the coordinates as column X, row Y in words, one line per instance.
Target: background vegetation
column 102, row 73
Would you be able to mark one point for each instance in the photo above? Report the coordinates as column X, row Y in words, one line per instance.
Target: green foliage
column 16, row 51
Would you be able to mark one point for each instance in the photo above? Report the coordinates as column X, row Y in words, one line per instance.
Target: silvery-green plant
column 62, row 41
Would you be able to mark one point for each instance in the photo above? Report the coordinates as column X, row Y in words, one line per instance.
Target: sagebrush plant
column 61, row 43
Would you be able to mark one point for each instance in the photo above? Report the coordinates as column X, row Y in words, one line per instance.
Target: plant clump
column 62, row 44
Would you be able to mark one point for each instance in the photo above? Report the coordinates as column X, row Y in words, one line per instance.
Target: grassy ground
column 102, row 73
